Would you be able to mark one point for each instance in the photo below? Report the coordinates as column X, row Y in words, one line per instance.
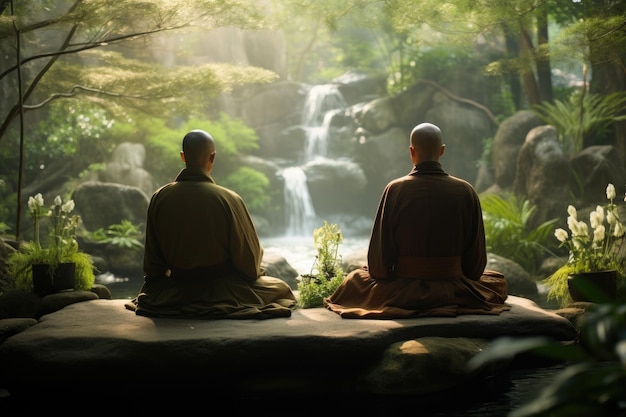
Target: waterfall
column 319, row 100
column 298, row 204
column 322, row 103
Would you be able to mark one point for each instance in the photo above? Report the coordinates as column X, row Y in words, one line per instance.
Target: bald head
column 198, row 149
column 426, row 143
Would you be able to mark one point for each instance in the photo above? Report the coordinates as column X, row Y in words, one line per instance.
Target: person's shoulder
column 227, row 192
column 399, row 180
column 163, row 187
column 462, row 181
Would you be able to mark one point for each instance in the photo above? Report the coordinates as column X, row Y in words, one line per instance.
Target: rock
column 13, row 326
column 101, row 291
column 276, row 265
column 100, row 343
column 19, row 304
column 53, row 302
column 518, row 280
column 427, row 365
column 542, row 174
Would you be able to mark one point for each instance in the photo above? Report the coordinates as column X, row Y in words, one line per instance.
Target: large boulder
column 100, row 344
column 102, row 204
column 507, row 143
column 542, row 174
column 126, row 167
column 594, row 168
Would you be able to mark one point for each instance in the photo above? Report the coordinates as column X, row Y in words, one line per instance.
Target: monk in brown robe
column 427, row 252
column 202, row 256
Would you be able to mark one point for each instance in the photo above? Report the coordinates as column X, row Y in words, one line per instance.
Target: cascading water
column 322, row 103
column 298, row 204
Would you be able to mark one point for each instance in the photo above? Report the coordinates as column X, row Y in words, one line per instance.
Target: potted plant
column 58, row 266
column 595, row 264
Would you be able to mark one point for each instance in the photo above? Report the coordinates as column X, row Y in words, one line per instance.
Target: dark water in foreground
column 497, row 399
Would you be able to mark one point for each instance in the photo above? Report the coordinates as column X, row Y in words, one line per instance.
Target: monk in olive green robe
column 427, row 252
column 202, row 255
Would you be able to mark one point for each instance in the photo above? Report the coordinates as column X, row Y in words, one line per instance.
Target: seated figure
column 427, row 252
column 202, row 255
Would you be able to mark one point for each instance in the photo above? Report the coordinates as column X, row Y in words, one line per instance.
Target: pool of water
column 495, row 399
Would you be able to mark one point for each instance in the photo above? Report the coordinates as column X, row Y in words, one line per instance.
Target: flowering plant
column 597, row 252
column 589, row 252
column 61, row 245
column 63, row 227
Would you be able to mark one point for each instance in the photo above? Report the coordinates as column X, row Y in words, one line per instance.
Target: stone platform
column 98, row 343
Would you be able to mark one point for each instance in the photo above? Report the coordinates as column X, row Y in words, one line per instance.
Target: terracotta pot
column 62, row 278
column 595, row 287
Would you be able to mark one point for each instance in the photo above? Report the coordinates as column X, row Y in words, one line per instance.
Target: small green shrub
column 314, row 287
column 123, row 235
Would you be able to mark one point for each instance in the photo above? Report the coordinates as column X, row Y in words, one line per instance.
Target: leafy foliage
column 581, row 116
column 252, row 185
column 19, row 267
column 593, row 381
column 313, row 288
column 124, row 235
column 509, row 231
column 163, row 144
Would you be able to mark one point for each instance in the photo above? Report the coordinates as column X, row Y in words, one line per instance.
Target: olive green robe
column 427, row 254
column 202, row 256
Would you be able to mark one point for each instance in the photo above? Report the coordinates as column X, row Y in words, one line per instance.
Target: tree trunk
column 608, row 65
column 528, row 75
column 544, row 70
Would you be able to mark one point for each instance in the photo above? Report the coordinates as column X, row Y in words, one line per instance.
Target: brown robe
column 202, row 256
column 427, row 254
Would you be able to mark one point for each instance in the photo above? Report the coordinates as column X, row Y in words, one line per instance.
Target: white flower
column 34, row 203
column 572, row 224
column 610, row 191
column 595, row 218
column 600, row 213
column 611, row 218
column 619, row 230
column 598, row 234
column 571, row 210
column 561, row 235
column 57, row 201
column 68, row 206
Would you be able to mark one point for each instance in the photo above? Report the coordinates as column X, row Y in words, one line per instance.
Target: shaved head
column 427, row 142
column 198, row 146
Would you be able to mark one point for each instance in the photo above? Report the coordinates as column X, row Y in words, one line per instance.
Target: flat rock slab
column 99, row 342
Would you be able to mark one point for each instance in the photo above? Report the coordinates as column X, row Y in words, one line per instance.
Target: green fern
column 582, row 115
column 509, row 233
column 124, row 235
